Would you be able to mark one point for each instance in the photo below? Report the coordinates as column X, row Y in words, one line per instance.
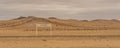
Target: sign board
column 44, row 25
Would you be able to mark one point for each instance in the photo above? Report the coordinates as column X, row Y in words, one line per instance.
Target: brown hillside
column 29, row 23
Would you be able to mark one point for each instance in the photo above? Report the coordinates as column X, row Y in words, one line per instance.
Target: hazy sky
column 68, row 9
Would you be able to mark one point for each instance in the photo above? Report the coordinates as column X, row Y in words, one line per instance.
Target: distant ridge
column 28, row 23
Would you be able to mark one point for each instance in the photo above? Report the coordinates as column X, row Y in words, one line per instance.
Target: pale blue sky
column 68, row 9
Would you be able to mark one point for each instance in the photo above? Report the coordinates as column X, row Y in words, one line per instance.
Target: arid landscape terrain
column 65, row 33
column 26, row 26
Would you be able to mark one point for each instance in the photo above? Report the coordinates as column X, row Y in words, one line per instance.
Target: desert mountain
column 29, row 23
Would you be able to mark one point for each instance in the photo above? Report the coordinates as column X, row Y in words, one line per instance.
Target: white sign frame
column 44, row 25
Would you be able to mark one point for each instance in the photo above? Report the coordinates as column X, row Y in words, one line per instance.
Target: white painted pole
column 36, row 33
column 51, row 33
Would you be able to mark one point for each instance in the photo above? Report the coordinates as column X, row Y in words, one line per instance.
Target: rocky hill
column 29, row 23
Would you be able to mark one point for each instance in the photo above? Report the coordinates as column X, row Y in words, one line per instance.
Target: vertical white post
column 51, row 30
column 36, row 33
column 50, row 26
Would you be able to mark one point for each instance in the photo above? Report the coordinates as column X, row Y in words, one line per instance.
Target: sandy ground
column 82, row 42
column 59, row 42
column 60, row 32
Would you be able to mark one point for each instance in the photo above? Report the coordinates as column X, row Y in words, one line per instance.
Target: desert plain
column 23, row 32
